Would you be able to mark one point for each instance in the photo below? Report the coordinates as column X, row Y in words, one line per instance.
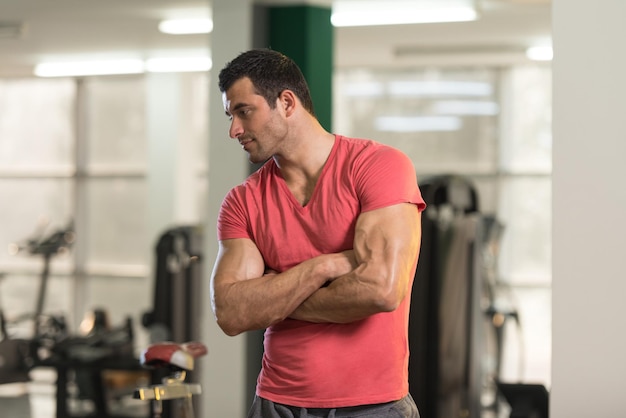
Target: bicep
column 386, row 246
column 237, row 259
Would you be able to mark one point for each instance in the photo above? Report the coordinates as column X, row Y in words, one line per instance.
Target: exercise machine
column 177, row 360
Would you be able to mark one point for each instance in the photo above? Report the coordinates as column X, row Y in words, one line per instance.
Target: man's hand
column 344, row 263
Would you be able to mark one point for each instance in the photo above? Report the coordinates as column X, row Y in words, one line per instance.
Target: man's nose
column 235, row 130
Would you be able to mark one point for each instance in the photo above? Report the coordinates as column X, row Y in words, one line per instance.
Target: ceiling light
column 465, row 108
column 178, row 65
column 539, row 53
column 186, row 26
column 87, row 68
column 439, row 88
column 128, row 66
column 418, row 123
column 397, row 12
column 363, row 89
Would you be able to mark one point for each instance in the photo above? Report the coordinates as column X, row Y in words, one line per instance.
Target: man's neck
column 303, row 166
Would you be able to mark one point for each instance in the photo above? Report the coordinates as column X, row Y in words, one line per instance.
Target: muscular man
column 319, row 248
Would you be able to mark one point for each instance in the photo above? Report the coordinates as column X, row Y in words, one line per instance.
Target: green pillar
column 305, row 34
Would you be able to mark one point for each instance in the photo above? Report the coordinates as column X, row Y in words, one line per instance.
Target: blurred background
column 115, row 158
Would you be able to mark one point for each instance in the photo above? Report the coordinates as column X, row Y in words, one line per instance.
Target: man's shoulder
column 255, row 179
column 356, row 142
column 363, row 147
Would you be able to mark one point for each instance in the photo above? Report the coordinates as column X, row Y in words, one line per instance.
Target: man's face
column 258, row 128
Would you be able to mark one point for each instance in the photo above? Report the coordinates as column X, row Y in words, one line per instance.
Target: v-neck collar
column 285, row 189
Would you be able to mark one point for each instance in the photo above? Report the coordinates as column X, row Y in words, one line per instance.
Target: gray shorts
column 404, row 408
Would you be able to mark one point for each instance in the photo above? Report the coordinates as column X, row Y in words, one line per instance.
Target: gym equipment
column 178, row 295
column 177, row 359
column 14, row 356
column 86, row 361
column 47, row 246
column 80, row 359
column 526, row 400
column 92, row 361
column 19, row 355
column 445, row 321
column 177, row 290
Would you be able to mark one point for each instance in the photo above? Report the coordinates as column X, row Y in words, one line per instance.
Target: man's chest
column 287, row 234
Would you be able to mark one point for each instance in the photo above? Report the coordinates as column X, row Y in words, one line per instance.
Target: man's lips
column 244, row 142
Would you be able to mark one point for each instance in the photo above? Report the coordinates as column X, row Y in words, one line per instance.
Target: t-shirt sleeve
column 386, row 177
column 232, row 221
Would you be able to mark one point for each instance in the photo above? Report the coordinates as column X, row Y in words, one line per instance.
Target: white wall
column 589, row 226
column 223, row 371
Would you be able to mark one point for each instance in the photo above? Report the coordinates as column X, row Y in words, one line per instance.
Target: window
column 77, row 152
column 37, row 191
column 492, row 125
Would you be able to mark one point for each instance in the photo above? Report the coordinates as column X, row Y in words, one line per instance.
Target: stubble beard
column 257, row 156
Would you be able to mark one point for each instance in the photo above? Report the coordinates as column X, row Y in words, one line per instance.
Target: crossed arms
column 342, row 287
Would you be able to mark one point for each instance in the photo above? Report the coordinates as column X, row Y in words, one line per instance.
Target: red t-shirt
column 326, row 365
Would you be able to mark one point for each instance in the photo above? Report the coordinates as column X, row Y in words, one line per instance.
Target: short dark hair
column 271, row 72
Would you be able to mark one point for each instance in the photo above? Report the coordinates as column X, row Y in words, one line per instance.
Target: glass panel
column 18, row 296
column 444, row 119
column 122, row 297
column 196, row 117
column 527, row 129
column 487, row 190
column 117, row 224
column 202, row 196
column 115, row 119
column 37, row 123
column 32, row 209
column 192, row 147
column 525, row 211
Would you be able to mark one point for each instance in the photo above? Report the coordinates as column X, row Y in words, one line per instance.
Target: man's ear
column 288, row 101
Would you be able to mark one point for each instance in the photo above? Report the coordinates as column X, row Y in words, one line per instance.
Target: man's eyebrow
column 237, row 107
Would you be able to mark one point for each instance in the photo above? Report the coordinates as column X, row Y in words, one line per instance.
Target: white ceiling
column 76, row 29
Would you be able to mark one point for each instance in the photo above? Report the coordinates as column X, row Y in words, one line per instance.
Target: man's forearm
column 257, row 303
column 346, row 299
